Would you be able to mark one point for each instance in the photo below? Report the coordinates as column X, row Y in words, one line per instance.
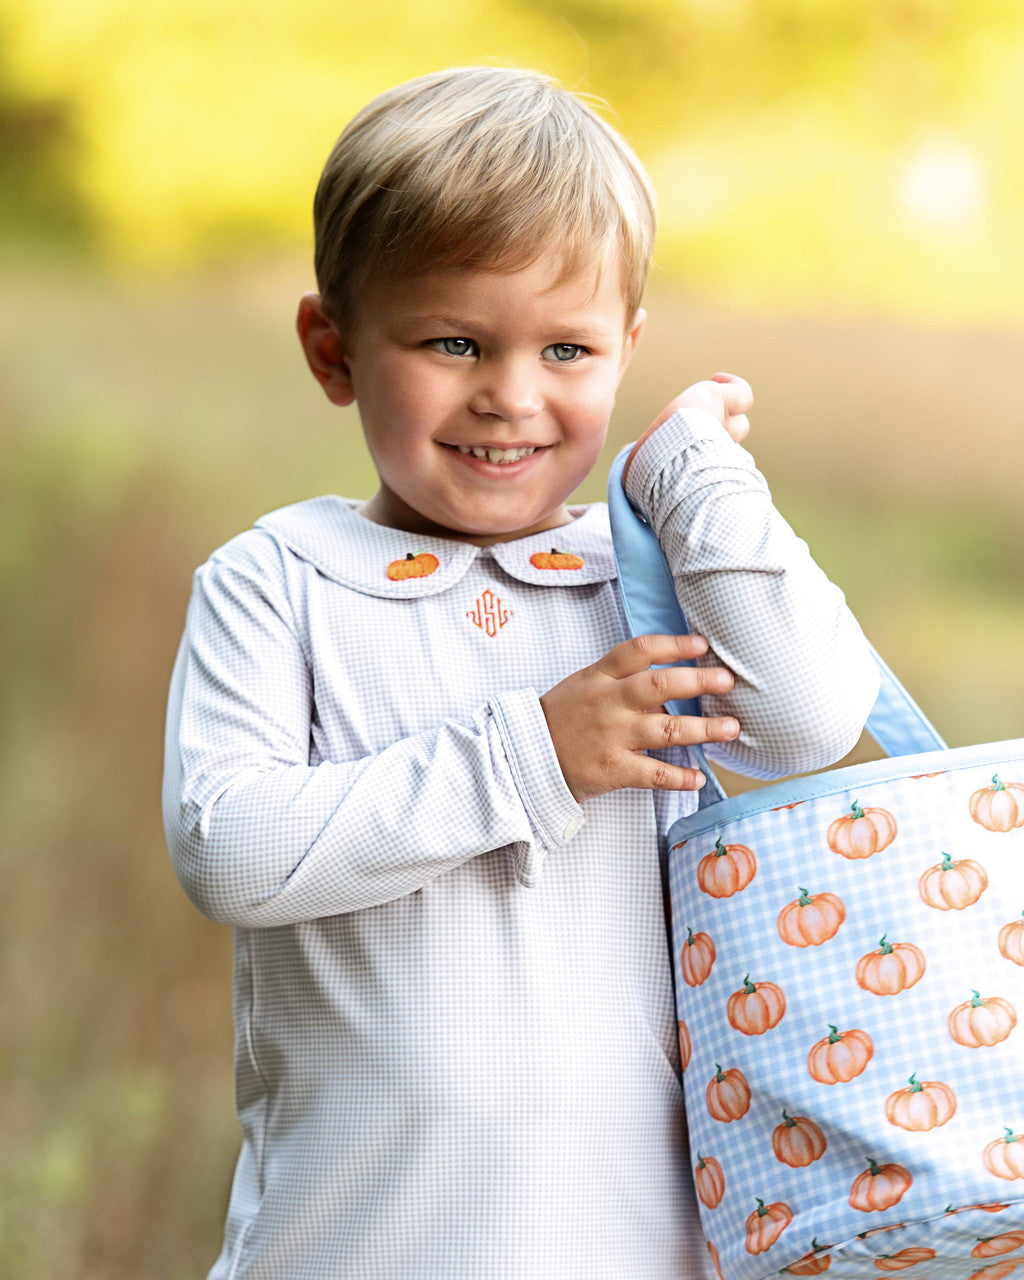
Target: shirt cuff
column 685, row 428
column 553, row 812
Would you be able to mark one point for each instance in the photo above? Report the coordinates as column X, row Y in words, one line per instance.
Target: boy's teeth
column 497, row 455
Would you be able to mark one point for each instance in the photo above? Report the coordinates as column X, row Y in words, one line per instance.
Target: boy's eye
column 455, row 346
column 563, row 351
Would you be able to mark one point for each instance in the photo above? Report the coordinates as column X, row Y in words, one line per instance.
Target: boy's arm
column 805, row 679
column 260, row 837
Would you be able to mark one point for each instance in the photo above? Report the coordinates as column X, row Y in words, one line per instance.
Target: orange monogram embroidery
column 489, row 615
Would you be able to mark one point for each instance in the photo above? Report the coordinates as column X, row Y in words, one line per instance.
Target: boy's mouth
column 488, row 454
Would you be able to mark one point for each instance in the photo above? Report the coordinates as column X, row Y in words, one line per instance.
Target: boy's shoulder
column 328, row 535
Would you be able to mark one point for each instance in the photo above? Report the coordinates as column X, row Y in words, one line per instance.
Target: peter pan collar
column 329, row 533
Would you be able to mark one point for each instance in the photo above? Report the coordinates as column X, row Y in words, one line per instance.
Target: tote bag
column 849, row 966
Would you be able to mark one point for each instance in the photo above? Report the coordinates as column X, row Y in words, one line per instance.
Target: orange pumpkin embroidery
column 951, row 886
column 697, row 957
column 841, row 1056
column 862, row 832
column 1005, row 1156
column 766, row 1224
column 809, row 921
column 710, row 1181
column 982, row 1021
column 727, row 1095
column 1011, row 940
column 904, row 1259
column 555, row 559
column 892, row 969
column 421, row 565
column 811, row 1264
column 879, row 1187
column 685, row 1045
column 994, row 1246
column 756, row 1007
column 921, row 1106
column 798, row 1141
column 999, row 807
column 726, row 870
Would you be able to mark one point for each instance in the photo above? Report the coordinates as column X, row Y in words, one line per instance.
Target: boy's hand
column 603, row 718
column 723, row 395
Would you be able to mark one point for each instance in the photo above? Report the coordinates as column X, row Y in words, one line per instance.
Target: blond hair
column 479, row 167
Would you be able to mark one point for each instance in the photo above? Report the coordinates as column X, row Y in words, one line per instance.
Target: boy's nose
column 507, row 392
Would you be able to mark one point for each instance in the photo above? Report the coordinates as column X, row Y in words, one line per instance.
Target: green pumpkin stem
column 915, row 1085
column 748, row 986
column 947, row 862
column 834, row 1036
column 761, row 1210
column 856, row 810
column 996, row 784
column 872, row 1167
column 805, row 898
column 720, row 849
column 790, row 1122
column 886, row 946
column 978, row 1000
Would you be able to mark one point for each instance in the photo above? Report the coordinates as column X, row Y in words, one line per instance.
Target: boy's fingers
column 655, row 687
column 657, row 731
column 642, row 652
column 735, row 391
column 655, row 775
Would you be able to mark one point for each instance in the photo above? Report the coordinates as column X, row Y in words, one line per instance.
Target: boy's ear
column 324, row 350
column 632, row 338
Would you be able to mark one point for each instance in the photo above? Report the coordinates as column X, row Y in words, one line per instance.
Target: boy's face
column 484, row 396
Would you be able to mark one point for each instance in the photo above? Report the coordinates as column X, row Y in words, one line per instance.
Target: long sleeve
column 805, row 679
column 260, row 836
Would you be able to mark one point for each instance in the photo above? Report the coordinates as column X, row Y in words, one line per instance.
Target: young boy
column 406, row 738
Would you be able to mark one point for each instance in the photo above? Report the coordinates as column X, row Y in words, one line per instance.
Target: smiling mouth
column 499, row 456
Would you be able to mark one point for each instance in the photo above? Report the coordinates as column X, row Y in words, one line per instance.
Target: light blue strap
column 896, row 722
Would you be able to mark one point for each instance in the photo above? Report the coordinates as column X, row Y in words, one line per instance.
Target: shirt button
column 572, row 826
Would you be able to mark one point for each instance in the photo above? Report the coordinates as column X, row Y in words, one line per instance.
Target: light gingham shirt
column 456, row 1051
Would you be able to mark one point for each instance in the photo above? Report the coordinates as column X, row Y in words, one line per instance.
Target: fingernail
column 701, row 780
column 731, row 727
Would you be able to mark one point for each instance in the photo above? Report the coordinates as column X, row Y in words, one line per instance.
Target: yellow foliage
column 856, row 151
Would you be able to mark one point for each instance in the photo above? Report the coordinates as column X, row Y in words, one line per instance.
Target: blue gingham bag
column 849, row 963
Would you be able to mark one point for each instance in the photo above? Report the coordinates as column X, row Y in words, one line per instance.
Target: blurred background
column 842, row 205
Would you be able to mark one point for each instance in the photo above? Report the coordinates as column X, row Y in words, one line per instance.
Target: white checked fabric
column 456, row 1049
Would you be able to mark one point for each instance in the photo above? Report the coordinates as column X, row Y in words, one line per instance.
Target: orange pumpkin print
column 862, row 832
column 811, row 1264
column 555, row 559
column 877, row 1231
column 685, row 1045
column 994, row 1246
column 879, row 1187
column 421, row 565
column 726, row 870
column 985, row 1208
column 710, row 1181
column 951, row 886
column 766, row 1224
column 895, row 967
column 841, row 1056
column 756, row 1007
column 798, row 1141
column 999, row 807
column 1011, row 940
column 727, row 1095
column 698, row 956
column 714, row 1258
column 905, row 1258
column 921, row 1106
column 1005, row 1156
column 809, row 920
column 995, row 1270
column 982, row 1021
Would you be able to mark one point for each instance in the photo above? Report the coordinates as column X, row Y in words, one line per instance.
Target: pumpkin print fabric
column 850, row 976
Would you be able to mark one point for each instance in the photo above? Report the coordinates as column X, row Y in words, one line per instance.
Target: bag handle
column 896, row 722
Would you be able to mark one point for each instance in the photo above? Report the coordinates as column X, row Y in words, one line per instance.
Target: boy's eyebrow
column 568, row 330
